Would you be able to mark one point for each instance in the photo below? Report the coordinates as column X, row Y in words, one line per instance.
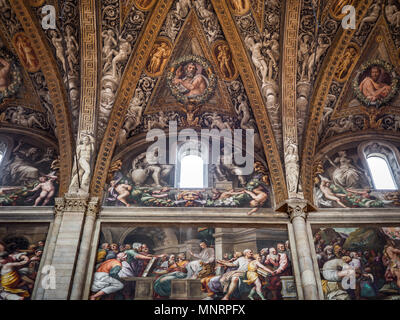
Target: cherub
column 48, row 189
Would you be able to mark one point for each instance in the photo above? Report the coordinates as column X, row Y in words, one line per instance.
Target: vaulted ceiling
column 104, row 72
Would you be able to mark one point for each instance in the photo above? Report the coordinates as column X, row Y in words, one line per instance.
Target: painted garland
column 394, row 85
column 212, row 80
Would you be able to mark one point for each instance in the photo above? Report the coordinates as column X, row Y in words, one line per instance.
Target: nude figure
column 324, row 186
column 122, row 55
column 48, row 189
column 72, row 49
column 108, row 44
column 83, row 153
column 259, row 197
column 58, row 45
column 123, row 191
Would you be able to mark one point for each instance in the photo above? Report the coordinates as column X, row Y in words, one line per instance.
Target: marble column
column 297, row 211
column 84, row 249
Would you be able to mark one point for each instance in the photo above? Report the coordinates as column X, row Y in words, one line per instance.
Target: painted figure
column 106, row 279
column 120, row 191
column 177, row 270
column 224, row 58
column 159, row 56
column 203, row 266
column 26, row 52
column 190, row 80
column 47, row 188
column 372, row 88
column 253, row 277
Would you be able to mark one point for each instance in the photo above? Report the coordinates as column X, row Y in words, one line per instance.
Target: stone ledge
column 21, row 214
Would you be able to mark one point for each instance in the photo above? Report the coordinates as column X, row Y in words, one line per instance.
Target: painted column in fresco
column 84, row 250
column 297, row 210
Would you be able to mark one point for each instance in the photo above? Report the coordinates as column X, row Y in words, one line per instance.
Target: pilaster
column 70, row 211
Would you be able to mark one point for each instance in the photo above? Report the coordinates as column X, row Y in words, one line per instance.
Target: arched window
column 191, row 172
column 381, row 173
column 381, row 159
column 191, row 167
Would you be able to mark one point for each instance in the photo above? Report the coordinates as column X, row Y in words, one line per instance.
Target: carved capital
column 93, row 207
column 296, row 208
column 59, row 206
column 75, row 203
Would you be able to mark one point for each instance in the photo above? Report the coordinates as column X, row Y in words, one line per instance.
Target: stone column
column 58, row 214
column 66, row 246
column 297, row 211
column 84, row 249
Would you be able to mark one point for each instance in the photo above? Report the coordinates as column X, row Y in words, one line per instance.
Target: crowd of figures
column 359, row 265
column 18, row 269
column 239, row 275
column 29, row 176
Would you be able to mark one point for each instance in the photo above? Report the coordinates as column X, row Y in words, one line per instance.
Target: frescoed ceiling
column 287, row 69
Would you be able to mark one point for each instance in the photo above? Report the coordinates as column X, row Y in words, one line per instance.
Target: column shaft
column 308, row 281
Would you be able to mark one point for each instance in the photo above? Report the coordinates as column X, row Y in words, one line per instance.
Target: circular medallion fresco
column 10, row 76
column 191, row 80
column 376, row 83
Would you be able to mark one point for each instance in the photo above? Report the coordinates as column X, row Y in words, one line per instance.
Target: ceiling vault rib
column 255, row 98
column 56, row 88
column 125, row 93
column 322, row 85
column 289, row 96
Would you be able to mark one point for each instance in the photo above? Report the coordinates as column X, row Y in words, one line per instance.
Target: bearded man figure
column 372, row 87
column 191, row 82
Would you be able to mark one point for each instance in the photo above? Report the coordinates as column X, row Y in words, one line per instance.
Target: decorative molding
column 56, row 88
column 255, row 98
column 129, row 81
column 75, row 203
column 89, row 66
column 289, row 96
